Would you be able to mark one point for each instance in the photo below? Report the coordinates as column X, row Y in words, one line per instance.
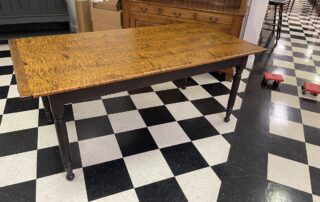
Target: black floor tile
column 315, row 180
column 18, row 105
column 93, row 127
column 5, row 53
column 6, row 70
column 282, row 57
column 4, row 92
column 285, row 112
column 219, row 76
column 299, row 45
column 183, row 158
column 305, row 68
column 288, row 89
column 301, row 55
column 180, row 83
column 288, row 148
column 312, row 135
column 106, row 179
column 135, row 141
column 13, row 80
column 22, row 192
column 141, row 90
column 208, row 106
column 216, row 89
column 310, row 105
column 219, row 170
column 198, row 128
column 171, row 96
column 18, row 141
column 156, row 115
column 119, row 104
column 165, row 190
column 278, row 192
column 229, row 137
column 49, row 160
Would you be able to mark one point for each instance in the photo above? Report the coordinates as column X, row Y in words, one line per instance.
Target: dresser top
column 55, row 64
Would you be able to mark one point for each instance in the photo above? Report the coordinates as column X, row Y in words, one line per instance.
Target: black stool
column 276, row 4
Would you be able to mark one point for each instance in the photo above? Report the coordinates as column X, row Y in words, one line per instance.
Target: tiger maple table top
column 55, row 64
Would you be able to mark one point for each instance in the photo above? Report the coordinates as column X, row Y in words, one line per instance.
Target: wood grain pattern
column 56, row 64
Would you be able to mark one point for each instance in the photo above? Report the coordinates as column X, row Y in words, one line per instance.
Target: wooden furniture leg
column 57, row 108
column 234, row 88
column 47, row 109
column 185, row 83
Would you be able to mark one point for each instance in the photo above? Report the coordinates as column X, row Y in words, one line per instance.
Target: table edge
column 18, row 66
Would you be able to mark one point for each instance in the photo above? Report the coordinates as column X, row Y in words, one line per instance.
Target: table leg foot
column 70, row 176
column 227, row 119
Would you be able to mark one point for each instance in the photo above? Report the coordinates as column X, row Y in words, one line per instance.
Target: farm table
column 70, row 68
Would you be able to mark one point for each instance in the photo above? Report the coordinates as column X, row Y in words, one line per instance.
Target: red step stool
column 314, row 89
column 276, row 78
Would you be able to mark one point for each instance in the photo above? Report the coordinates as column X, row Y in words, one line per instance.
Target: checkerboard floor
column 294, row 117
column 158, row 143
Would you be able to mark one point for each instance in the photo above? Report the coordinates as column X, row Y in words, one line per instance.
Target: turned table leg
column 47, row 109
column 61, row 128
column 234, row 88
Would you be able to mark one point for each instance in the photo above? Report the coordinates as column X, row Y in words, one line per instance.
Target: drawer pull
column 144, row 9
column 213, row 20
column 178, row 15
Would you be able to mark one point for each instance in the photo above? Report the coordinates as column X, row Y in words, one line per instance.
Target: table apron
column 92, row 92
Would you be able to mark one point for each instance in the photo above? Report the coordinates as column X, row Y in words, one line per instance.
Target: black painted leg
column 47, row 109
column 234, row 89
column 61, row 128
column 185, row 83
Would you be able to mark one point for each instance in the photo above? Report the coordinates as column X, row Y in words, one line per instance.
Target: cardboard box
column 83, row 16
column 97, row 26
column 106, row 17
column 111, row 5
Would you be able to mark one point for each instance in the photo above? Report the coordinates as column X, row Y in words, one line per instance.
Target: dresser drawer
column 181, row 13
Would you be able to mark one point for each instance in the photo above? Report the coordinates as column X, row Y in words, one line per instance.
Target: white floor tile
column 288, row 129
column 290, row 80
column 56, row 188
column 285, row 64
column 84, row 110
column 125, row 196
column 290, row 173
column 2, row 105
column 126, row 121
column 303, row 61
column 47, row 135
column 217, row 121
column 18, row 168
column 98, row 150
column 313, row 152
column 307, row 75
column 205, row 79
column 146, row 100
column 19, row 121
column 195, row 93
column 316, row 198
column 245, row 74
column 215, row 150
column 13, row 91
column 4, row 47
column 285, row 99
column 299, row 41
column 5, row 61
column 310, row 118
column 200, row 185
column 168, row 134
column 121, row 94
column 183, row 110
column 164, row 86
column 5, row 80
column 242, row 86
column 148, row 167
column 283, row 52
column 223, row 100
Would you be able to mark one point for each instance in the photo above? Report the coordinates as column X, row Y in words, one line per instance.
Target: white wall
column 72, row 15
column 254, row 24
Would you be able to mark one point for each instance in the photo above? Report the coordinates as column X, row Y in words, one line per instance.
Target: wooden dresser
column 226, row 14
